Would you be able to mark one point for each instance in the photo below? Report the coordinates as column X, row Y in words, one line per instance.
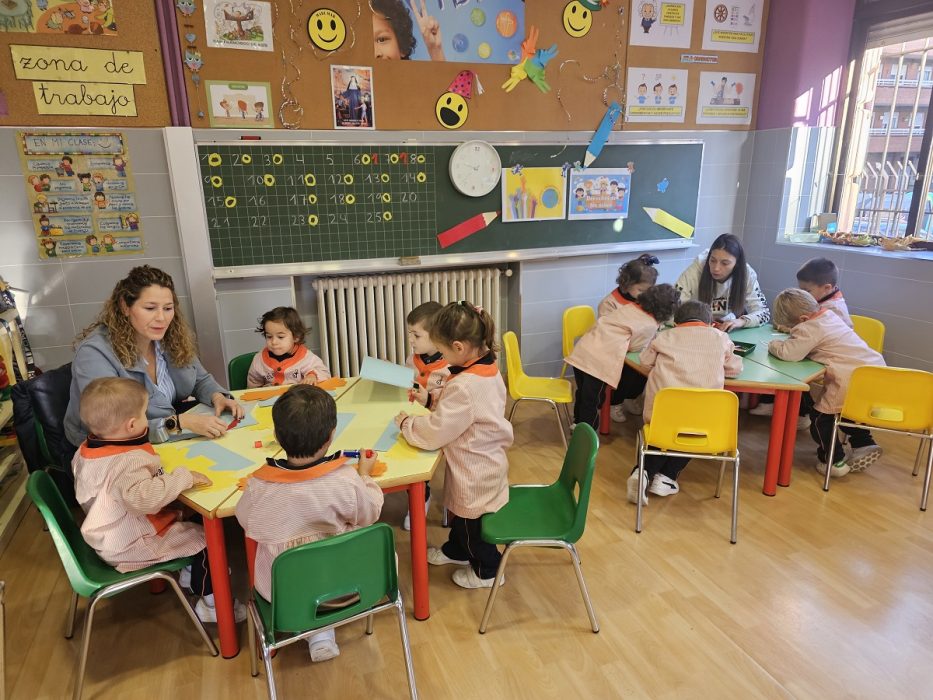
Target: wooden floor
column 824, row 596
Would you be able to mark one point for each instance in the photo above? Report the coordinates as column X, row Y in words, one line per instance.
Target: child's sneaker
column 208, row 613
column 617, row 413
column 437, row 557
column 663, row 486
column 406, row 524
column 635, row 406
column 634, row 488
column 323, row 646
column 762, row 409
column 184, row 578
column 861, row 458
column 840, row 468
column 467, row 578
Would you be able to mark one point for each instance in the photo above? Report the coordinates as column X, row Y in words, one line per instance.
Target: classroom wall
column 804, row 63
column 63, row 296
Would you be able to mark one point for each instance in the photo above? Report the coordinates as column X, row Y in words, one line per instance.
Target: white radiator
column 365, row 314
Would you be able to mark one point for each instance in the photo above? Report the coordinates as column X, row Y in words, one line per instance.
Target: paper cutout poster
column 58, row 16
column 657, row 95
column 533, row 194
column 490, row 31
column 238, row 105
column 600, row 193
column 81, row 193
column 238, row 24
column 662, row 23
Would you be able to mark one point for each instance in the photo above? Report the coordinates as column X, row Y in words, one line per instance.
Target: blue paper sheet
column 387, row 373
column 343, row 420
column 224, row 459
column 388, row 439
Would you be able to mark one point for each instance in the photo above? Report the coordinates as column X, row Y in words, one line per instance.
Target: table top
column 364, row 420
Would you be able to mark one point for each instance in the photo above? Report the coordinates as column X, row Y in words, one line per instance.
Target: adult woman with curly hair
column 141, row 334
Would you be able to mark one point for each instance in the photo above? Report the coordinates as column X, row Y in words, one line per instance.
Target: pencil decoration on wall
column 466, row 228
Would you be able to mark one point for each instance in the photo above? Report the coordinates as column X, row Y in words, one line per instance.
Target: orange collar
column 693, row 323
column 113, row 449
column 279, row 366
column 617, row 295
column 293, row 476
column 424, row 369
column 483, row 370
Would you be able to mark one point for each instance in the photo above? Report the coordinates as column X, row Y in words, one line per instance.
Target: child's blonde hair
column 790, row 305
column 108, row 402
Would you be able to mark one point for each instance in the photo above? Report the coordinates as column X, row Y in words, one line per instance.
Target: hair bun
column 649, row 259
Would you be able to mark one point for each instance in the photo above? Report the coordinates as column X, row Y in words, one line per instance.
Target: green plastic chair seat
column 533, row 513
column 238, row 370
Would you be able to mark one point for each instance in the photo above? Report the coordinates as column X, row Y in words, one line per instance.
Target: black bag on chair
column 42, row 401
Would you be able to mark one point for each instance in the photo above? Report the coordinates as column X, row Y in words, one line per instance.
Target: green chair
column 306, row 580
column 88, row 574
column 541, row 515
column 238, row 369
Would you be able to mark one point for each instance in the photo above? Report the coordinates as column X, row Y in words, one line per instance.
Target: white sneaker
column 762, row 409
column 634, row 406
column 467, row 578
column 617, row 413
column 634, row 488
column 323, row 646
column 208, row 613
column 861, row 458
column 840, row 468
column 406, row 524
column 663, row 486
column 184, row 578
column 803, row 422
column 437, row 557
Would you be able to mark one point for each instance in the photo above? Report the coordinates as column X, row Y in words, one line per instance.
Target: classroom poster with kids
column 533, row 194
column 656, row 95
column 238, row 105
column 81, row 193
column 600, row 193
column 58, row 16
column 725, row 98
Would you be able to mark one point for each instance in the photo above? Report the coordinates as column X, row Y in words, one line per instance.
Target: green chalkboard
column 268, row 204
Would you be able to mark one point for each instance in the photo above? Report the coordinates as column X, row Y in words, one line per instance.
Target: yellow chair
column 892, row 400
column 524, row 388
column 695, row 423
column 871, row 330
column 577, row 321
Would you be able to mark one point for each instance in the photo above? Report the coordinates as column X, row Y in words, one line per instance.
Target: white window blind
column 896, row 31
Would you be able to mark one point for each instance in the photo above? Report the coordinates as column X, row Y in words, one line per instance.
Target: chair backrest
column 238, row 369
column 694, row 420
column 577, row 321
column 871, row 330
column 360, row 562
column 890, row 397
column 513, row 363
column 39, row 407
column 577, row 473
column 84, row 568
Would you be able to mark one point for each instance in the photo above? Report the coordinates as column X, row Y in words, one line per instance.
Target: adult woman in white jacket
column 721, row 278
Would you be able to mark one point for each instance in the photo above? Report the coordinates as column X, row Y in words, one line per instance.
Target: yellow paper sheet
column 78, row 65
column 100, row 99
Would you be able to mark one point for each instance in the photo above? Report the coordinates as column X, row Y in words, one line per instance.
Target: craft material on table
column 264, row 393
column 466, row 228
column 669, row 221
column 387, row 372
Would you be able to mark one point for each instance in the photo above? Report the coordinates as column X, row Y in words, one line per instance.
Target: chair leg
column 641, row 475
column 514, row 406
column 72, row 614
column 191, row 613
column 251, row 631
column 85, row 643
column 369, row 625
column 500, row 574
column 722, row 470
column 926, row 479
column 832, row 453
column 560, row 423
column 406, row 646
column 575, row 558
column 919, row 458
column 735, row 499
column 270, row 679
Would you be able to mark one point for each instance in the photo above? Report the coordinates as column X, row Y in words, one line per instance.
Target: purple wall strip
column 171, row 62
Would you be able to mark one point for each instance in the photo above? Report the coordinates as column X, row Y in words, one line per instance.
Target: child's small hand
column 400, row 418
column 419, row 394
column 310, row 378
column 199, row 480
column 367, row 462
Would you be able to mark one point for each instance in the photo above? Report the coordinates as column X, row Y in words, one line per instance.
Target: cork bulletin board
column 586, row 71
column 111, row 64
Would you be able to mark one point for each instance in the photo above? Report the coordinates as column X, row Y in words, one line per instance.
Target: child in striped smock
column 307, row 496
column 285, row 359
column 131, row 519
column 430, row 371
column 628, row 318
column 469, row 424
column 691, row 354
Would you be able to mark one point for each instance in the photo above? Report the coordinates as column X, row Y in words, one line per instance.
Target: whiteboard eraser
column 409, row 260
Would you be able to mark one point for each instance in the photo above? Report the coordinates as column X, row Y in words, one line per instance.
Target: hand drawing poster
column 71, row 17
column 533, row 194
column 732, row 26
column 662, row 23
column 599, row 193
column 656, row 95
column 725, row 98
column 81, row 193
column 238, row 24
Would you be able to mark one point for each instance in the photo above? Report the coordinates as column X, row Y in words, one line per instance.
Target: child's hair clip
column 649, row 259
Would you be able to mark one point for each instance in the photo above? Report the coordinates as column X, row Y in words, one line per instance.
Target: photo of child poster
column 81, row 193
column 238, row 24
column 533, row 194
column 599, row 193
column 352, row 90
column 490, row 31
column 58, row 17
column 238, row 105
column 725, row 98
column 656, row 95
column 732, row 26
column 662, row 23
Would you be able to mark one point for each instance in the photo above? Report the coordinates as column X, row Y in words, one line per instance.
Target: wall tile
column 49, row 326
column 93, row 280
column 568, row 285
column 44, row 284
column 52, row 357
column 239, row 311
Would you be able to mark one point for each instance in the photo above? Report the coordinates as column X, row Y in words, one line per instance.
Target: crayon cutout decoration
column 451, row 108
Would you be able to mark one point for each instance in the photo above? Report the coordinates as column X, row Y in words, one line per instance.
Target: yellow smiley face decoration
column 577, row 19
column 326, row 29
column 452, row 110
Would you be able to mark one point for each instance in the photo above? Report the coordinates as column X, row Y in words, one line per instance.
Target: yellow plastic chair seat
column 557, row 390
column 890, row 397
column 694, row 420
column 871, row 330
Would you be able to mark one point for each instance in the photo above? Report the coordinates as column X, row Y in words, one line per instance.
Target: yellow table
column 365, row 413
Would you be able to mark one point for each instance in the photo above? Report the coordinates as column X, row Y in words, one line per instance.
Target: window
column 928, row 74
